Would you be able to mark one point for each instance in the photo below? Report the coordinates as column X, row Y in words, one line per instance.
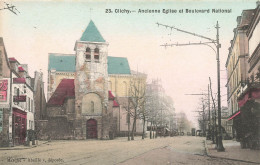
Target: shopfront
column 19, row 126
column 247, row 123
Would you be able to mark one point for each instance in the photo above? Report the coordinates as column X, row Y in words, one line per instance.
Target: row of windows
column 88, row 54
column 234, row 105
column 234, row 81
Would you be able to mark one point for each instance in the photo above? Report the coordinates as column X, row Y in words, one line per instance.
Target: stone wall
column 4, row 137
column 59, row 128
column 53, row 111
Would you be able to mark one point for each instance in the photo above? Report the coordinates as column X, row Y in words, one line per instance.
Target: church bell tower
column 91, row 84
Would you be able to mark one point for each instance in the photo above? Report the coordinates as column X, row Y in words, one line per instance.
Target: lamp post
column 220, row 146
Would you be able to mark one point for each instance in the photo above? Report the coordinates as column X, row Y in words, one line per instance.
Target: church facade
column 81, row 103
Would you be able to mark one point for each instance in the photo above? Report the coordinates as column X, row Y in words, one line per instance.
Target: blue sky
column 54, row 26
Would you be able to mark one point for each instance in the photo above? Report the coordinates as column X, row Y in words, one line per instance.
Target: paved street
column 169, row 150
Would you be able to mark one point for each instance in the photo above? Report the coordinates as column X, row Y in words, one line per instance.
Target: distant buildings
column 160, row 109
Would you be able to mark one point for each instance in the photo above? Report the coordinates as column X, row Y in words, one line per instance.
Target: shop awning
column 243, row 101
column 233, row 116
column 254, row 93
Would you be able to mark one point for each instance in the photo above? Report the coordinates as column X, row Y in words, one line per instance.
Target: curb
column 238, row 160
column 22, row 148
column 219, row 157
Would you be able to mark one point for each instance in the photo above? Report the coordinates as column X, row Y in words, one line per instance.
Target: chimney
column 13, row 63
column 238, row 20
column 21, row 72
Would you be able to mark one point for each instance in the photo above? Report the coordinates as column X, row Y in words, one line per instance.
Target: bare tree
column 128, row 108
column 137, row 96
column 152, row 110
column 143, row 116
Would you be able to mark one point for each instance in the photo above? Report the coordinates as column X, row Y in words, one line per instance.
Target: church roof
column 92, row 34
column 115, row 104
column 110, row 95
column 62, row 62
column 118, row 65
column 65, row 89
column 66, row 63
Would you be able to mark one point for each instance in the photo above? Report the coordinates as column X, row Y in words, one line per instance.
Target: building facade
column 237, row 65
column 39, row 104
column 246, row 121
column 17, row 101
column 22, row 103
column 5, row 78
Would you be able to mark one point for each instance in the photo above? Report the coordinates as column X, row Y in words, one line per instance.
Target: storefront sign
column 3, row 90
column 21, row 98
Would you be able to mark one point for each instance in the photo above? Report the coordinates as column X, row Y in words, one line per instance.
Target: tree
column 137, row 100
column 128, row 108
column 152, row 106
column 183, row 124
column 143, row 116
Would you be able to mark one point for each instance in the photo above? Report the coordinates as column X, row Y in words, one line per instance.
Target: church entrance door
column 91, row 129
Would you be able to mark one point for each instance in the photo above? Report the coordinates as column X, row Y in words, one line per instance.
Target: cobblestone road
column 169, row 150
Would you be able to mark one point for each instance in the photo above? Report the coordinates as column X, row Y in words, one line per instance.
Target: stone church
column 85, row 89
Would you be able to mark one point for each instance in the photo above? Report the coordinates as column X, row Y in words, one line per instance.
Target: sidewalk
column 22, row 147
column 233, row 152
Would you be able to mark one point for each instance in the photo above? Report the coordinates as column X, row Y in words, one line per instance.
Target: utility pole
column 161, row 124
column 209, row 124
column 203, row 118
column 215, row 115
column 220, row 146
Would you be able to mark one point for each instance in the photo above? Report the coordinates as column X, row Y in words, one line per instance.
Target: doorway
column 91, row 129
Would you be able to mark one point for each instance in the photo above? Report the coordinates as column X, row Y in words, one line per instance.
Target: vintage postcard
column 129, row 82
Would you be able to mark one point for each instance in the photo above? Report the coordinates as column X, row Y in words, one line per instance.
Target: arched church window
column 92, row 106
column 96, row 54
column 87, row 54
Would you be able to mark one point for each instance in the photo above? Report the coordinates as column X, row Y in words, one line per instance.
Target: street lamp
column 220, row 146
